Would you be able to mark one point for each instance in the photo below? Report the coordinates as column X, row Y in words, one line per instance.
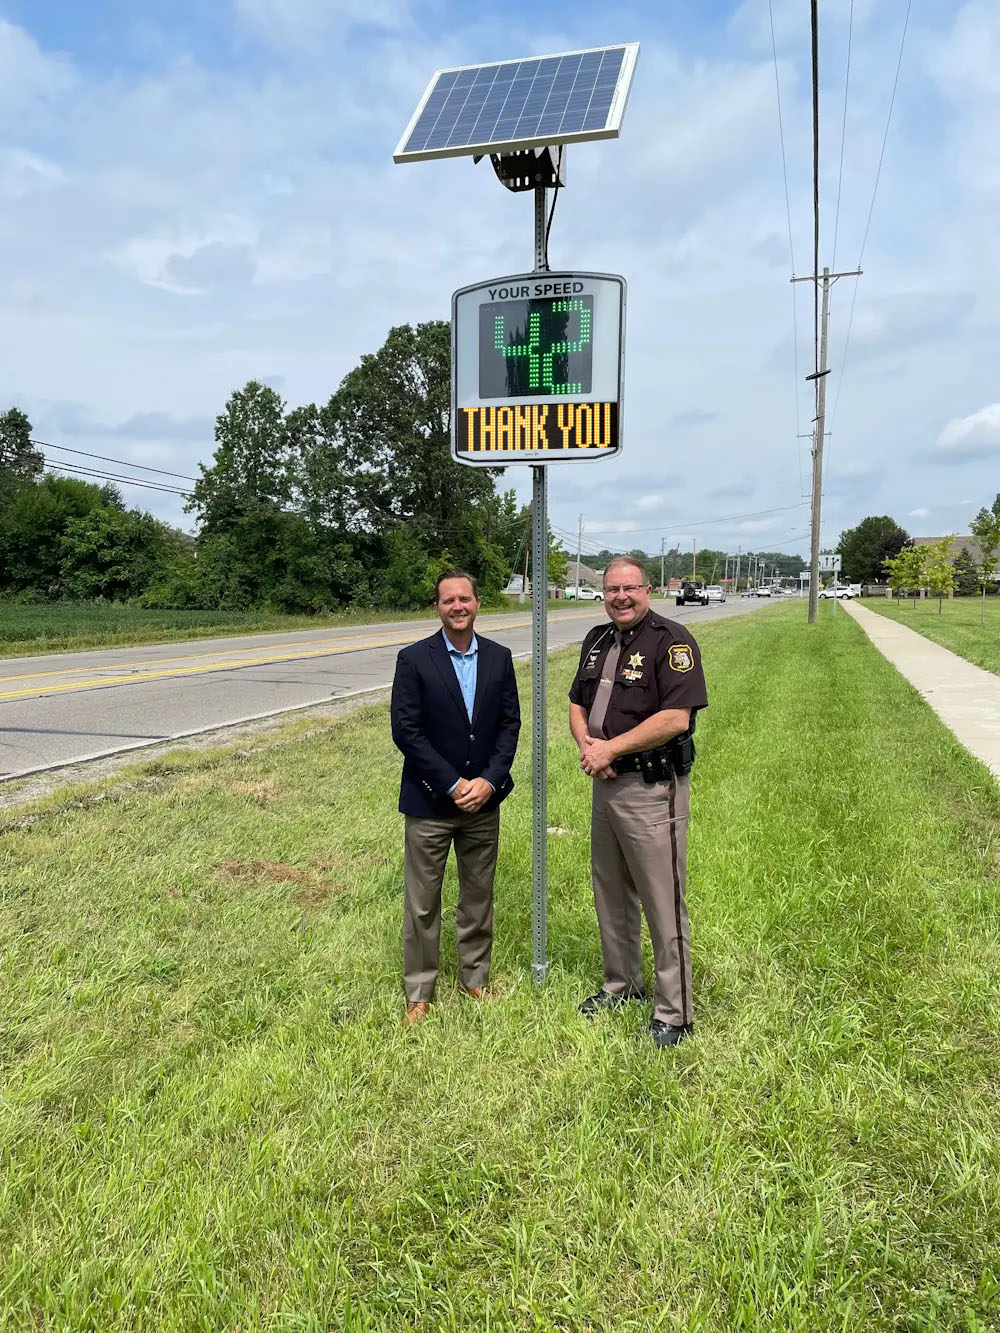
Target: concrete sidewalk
column 965, row 697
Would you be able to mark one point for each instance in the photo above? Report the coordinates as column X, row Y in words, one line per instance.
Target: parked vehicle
column 763, row 591
column 843, row 591
column 715, row 593
column 587, row 594
column 692, row 590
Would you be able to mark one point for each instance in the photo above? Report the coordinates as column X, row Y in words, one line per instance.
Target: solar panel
column 521, row 104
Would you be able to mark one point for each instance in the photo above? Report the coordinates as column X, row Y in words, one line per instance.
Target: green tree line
column 312, row 508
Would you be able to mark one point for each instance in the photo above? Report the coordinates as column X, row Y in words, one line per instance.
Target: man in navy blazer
column 456, row 717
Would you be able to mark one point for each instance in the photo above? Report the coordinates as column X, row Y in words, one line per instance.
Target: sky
column 193, row 195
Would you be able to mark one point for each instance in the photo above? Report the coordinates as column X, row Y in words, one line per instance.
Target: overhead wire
column 111, row 476
column 843, row 137
column 121, row 462
column 791, row 249
column 871, row 208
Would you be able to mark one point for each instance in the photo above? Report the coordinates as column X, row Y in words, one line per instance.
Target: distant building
column 957, row 545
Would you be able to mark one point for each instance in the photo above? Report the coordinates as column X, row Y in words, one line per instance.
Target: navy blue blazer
column 432, row 728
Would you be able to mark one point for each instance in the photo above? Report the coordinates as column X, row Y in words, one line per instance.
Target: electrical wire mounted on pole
column 819, row 430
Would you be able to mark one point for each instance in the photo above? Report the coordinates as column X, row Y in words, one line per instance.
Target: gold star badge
column 635, row 660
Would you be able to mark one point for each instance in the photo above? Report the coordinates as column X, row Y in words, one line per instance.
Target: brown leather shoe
column 485, row 993
column 416, row 1013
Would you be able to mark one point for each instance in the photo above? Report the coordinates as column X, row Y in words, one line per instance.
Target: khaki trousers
column 476, row 838
column 638, row 848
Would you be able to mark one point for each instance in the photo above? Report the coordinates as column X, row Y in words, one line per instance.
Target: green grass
column 31, row 630
column 957, row 626
column 212, row 1120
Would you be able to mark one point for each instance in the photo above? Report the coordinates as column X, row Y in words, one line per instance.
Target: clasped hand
column 596, row 758
column 471, row 794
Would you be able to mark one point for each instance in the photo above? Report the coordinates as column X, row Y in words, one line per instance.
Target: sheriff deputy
column 632, row 712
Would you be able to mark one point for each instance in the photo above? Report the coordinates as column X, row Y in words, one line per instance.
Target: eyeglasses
column 625, row 587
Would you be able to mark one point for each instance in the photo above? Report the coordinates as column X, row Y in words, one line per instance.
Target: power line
column 110, row 476
column 682, row 525
column 121, row 462
column 814, row 26
column 871, row 207
column 843, row 136
column 791, row 245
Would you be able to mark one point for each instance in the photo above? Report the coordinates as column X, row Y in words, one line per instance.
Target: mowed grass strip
column 33, row 630
column 958, row 626
column 211, row 1118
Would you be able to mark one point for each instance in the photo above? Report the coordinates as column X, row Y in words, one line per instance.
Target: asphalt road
column 66, row 708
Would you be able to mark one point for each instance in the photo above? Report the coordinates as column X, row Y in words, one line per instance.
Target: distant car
column 714, row 593
column 840, row 592
column 586, row 594
column 692, row 590
column 764, row 592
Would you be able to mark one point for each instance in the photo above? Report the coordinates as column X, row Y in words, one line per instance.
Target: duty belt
column 675, row 759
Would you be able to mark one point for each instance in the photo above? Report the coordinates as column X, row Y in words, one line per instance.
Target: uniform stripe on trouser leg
column 685, row 1011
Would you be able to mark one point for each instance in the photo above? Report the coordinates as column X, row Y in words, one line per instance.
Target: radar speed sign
column 537, row 369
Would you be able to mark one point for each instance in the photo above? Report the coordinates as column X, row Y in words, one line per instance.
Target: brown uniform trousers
column 638, row 847
column 476, row 838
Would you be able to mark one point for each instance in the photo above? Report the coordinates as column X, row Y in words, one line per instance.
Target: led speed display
column 531, row 348
column 536, row 368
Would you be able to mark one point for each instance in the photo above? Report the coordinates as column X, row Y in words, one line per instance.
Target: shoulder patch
column 680, row 658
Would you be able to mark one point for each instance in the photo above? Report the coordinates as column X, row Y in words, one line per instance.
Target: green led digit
column 528, row 349
column 582, row 341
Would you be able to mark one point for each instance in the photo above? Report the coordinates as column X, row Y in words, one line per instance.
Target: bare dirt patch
column 265, row 872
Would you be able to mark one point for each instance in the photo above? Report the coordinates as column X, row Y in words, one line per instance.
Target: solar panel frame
column 464, row 91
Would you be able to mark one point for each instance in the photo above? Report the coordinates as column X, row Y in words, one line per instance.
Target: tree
column 906, row 570
column 985, row 527
column 939, row 572
column 20, row 461
column 111, row 553
column 865, row 549
column 35, row 523
column 967, row 573
column 379, row 455
column 252, row 468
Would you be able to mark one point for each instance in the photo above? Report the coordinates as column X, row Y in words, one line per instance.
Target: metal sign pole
column 539, row 656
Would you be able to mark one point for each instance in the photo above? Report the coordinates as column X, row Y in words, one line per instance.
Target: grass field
column 212, row 1120
column 56, row 628
column 957, row 627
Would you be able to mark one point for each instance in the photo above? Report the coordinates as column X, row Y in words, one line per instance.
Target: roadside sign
column 536, row 369
column 829, row 562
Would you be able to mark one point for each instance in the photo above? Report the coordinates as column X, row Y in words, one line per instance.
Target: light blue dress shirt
column 467, row 670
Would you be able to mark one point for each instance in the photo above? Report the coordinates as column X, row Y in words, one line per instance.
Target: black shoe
column 667, row 1034
column 595, row 1004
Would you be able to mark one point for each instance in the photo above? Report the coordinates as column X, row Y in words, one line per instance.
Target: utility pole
column 662, row 540
column 694, row 557
column 739, row 561
column 579, row 543
column 819, row 432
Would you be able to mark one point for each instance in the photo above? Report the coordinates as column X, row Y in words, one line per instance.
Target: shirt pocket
column 635, row 699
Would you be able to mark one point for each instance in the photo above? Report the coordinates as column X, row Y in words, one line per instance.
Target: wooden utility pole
column 662, row 540
column 819, row 432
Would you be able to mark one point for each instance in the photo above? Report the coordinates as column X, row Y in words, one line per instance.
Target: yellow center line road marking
column 329, row 649
column 517, row 623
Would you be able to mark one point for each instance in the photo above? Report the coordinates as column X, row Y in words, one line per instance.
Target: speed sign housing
column 536, row 369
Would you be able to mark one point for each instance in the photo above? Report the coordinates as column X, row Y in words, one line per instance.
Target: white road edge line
column 216, row 726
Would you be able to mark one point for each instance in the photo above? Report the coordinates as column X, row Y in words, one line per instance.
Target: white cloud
column 22, row 172
column 918, row 513
column 974, row 436
column 169, row 232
